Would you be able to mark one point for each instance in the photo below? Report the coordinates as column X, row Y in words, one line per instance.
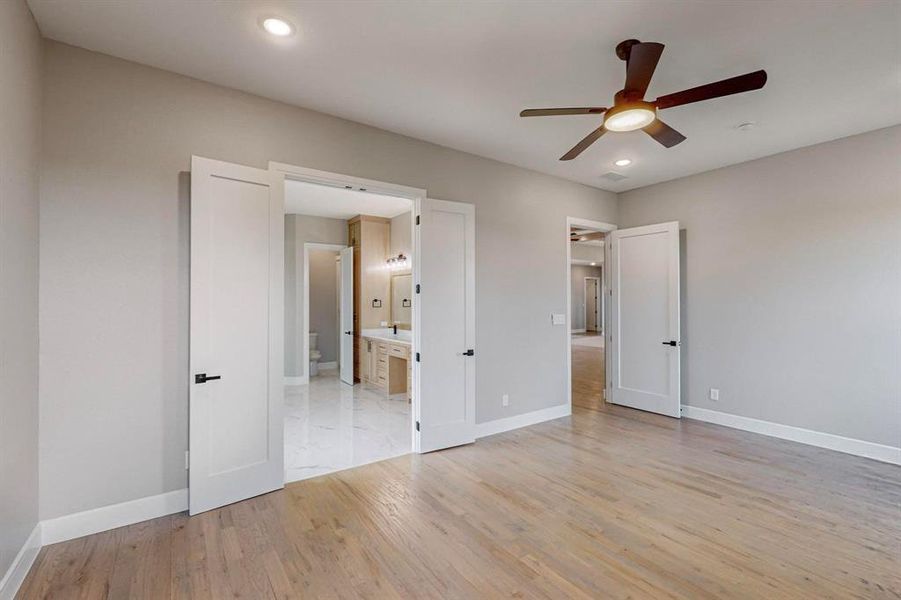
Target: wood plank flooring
column 609, row 503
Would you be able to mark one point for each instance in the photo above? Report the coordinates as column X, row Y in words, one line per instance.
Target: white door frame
column 596, row 226
column 305, row 331
column 282, row 171
column 597, row 301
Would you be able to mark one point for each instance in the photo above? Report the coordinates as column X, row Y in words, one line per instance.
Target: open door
column 237, row 368
column 644, row 341
column 346, row 316
column 444, row 325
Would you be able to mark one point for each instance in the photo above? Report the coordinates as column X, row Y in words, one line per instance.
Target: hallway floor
column 330, row 426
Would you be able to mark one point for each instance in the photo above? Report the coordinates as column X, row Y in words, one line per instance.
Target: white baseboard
column 831, row 441
column 577, row 331
column 105, row 518
column 302, row 380
column 21, row 564
column 524, row 420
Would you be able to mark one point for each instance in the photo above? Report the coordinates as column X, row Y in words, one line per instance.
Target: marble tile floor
column 330, row 426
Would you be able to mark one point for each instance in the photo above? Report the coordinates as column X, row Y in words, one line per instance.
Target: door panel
column 446, row 325
column 591, row 304
column 347, row 316
column 645, row 318
column 237, row 253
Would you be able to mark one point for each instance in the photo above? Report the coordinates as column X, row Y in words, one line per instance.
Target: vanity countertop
column 403, row 336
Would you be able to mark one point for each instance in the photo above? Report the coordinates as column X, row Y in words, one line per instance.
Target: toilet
column 315, row 354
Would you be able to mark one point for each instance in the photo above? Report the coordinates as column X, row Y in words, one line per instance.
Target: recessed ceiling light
column 746, row 126
column 593, row 264
column 278, row 27
column 623, row 162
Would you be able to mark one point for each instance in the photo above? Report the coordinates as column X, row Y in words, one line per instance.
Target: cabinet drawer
column 399, row 351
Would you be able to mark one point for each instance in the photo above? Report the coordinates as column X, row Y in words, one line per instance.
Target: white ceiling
column 302, row 198
column 458, row 73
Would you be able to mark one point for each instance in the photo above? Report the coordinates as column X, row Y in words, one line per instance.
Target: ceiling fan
column 631, row 111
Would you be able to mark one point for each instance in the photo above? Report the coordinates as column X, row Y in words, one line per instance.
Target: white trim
column 596, row 226
column 303, row 380
column 18, row 570
column 523, row 420
column 578, row 330
column 888, row 454
column 80, row 524
column 305, row 331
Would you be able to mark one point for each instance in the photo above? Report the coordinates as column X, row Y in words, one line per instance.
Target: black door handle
column 348, row 332
column 203, row 377
column 670, row 343
column 469, row 352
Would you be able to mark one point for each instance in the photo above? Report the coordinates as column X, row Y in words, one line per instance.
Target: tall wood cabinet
column 369, row 237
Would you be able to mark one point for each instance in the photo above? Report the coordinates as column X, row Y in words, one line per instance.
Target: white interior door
column 237, row 369
column 444, row 325
column 346, row 316
column 644, row 316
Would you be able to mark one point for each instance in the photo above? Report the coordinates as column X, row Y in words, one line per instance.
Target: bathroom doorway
column 348, row 328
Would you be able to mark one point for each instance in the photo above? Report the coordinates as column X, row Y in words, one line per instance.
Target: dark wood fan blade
column 643, row 60
column 550, row 112
column 586, row 141
column 664, row 134
column 726, row 87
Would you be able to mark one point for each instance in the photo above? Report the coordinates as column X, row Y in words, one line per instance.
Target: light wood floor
column 610, row 503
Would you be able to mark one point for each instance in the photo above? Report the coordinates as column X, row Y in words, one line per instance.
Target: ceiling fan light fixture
column 629, row 117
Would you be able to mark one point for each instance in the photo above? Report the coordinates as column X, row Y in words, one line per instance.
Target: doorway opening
column 586, row 292
column 348, row 328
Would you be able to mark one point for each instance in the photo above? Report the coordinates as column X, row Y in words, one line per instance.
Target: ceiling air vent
column 613, row 176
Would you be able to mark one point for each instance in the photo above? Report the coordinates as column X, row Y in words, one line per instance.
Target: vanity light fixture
column 397, row 263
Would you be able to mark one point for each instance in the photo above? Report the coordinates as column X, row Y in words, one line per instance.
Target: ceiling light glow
column 629, row 119
column 593, row 264
column 278, row 27
column 623, row 162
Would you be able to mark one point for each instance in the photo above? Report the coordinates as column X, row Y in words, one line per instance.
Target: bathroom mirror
column 402, row 300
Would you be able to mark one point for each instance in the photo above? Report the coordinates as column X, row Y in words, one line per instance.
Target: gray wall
column 300, row 229
column 578, row 273
column 114, row 249
column 401, row 235
column 324, row 302
column 792, row 277
column 20, row 123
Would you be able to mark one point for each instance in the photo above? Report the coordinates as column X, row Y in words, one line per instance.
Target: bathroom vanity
column 386, row 361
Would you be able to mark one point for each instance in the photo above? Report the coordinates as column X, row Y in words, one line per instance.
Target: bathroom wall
column 324, row 302
column 578, row 273
column 401, row 235
column 300, row 229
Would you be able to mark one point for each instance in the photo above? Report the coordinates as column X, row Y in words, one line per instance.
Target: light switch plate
column 558, row 319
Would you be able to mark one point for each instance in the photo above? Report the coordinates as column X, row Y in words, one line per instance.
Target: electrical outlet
column 505, row 400
column 714, row 394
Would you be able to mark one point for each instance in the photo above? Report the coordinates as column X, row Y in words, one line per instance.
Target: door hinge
column 417, row 219
column 418, row 288
column 417, row 357
column 417, row 425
